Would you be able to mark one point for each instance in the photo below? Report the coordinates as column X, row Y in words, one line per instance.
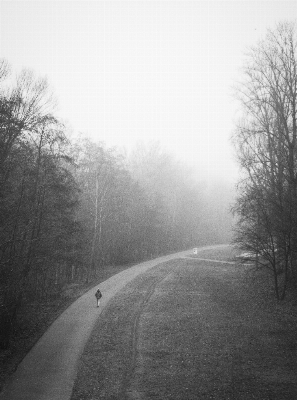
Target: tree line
column 266, row 143
column 71, row 207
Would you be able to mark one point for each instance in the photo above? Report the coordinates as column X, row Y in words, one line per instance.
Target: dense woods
column 266, row 144
column 68, row 208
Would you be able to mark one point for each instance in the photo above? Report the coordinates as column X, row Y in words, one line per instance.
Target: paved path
column 49, row 369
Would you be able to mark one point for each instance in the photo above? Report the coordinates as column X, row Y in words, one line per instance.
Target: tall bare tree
column 37, row 193
column 265, row 140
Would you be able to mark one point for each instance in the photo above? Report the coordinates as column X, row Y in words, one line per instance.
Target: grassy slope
column 190, row 330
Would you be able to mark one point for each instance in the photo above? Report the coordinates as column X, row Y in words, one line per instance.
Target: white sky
column 134, row 71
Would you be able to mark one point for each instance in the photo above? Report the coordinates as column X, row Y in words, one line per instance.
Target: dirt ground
column 192, row 329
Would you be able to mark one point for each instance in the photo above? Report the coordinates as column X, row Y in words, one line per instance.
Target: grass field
column 189, row 329
column 220, row 253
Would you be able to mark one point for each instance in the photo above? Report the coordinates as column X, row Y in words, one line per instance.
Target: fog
column 139, row 74
column 150, row 71
column 136, row 159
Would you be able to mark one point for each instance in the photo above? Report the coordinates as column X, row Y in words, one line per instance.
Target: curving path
column 49, row 369
column 191, row 328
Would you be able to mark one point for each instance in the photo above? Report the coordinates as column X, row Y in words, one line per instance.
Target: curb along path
column 49, row 369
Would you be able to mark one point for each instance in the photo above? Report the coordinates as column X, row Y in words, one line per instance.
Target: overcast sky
column 134, row 71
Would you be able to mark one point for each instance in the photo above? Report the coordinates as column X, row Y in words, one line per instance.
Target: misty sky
column 125, row 72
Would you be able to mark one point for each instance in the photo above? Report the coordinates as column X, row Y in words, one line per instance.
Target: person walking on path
column 98, row 296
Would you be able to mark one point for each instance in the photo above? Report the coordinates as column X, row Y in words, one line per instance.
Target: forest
column 70, row 205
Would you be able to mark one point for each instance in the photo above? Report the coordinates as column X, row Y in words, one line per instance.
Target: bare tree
column 37, row 193
column 265, row 140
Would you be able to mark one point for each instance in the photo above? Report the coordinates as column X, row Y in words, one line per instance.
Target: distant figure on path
column 98, row 296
